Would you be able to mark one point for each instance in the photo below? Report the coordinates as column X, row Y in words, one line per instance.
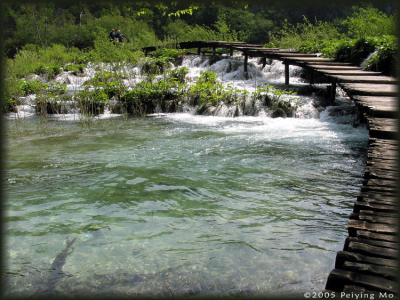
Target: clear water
column 179, row 204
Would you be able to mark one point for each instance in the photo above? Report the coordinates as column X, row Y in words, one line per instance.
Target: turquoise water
column 179, row 204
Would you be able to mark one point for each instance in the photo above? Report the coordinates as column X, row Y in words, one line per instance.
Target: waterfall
column 230, row 72
column 366, row 62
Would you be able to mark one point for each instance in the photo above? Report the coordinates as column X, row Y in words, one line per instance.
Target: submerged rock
column 279, row 113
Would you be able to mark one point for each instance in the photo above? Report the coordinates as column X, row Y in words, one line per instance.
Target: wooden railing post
column 231, row 51
column 264, row 62
column 198, row 50
column 246, row 58
column 286, row 73
column 213, row 51
column 333, row 92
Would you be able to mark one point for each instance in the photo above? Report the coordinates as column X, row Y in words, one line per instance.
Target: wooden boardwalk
column 368, row 261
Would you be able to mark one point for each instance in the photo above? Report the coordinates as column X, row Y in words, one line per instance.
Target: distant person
column 120, row 37
column 113, row 35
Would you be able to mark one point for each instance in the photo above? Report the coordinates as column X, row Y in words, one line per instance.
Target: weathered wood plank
column 374, row 227
column 351, row 256
column 371, row 242
column 336, row 67
column 375, row 236
column 339, row 278
column 374, row 218
column 370, row 89
column 365, row 79
column 345, row 71
column 371, row 250
column 362, row 267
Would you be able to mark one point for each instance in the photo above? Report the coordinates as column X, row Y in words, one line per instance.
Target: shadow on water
column 56, row 268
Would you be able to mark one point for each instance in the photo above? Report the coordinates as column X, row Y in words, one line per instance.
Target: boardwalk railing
column 368, row 261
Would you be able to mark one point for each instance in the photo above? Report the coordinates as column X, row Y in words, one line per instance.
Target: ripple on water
column 180, row 203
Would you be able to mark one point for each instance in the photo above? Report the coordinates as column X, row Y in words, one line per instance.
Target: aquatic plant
column 75, row 69
column 92, row 102
column 146, row 96
column 51, row 99
column 28, row 87
column 110, row 82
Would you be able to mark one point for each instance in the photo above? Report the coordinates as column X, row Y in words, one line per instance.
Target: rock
column 35, row 77
column 63, row 78
column 279, row 113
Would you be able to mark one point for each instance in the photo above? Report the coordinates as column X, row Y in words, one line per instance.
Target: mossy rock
column 92, row 108
column 279, row 113
column 203, row 108
column 51, row 108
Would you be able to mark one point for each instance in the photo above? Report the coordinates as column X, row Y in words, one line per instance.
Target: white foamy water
column 229, row 70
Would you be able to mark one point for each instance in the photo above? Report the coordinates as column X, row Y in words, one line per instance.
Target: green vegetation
column 272, row 98
column 367, row 30
column 44, row 39
column 209, row 91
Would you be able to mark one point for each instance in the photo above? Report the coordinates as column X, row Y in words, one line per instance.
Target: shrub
column 305, row 36
column 28, row 87
column 368, row 21
column 92, row 102
column 209, row 91
column 75, row 68
column 110, row 82
column 178, row 74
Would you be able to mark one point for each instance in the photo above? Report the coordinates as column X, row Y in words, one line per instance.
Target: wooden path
column 368, row 261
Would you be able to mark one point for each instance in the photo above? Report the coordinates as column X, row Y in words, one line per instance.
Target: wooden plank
column 365, row 79
column 374, row 218
column 375, row 236
column 376, row 206
column 381, row 182
column 339, row 278
column 329, row 66
column 380, row 174
column 370, row 89
column 346, row 71
column 374, row 227
column 372, row 99
column 371, row 242
column 351, row 256
column 300, row 58
column 371, row 250
column 362, row 267
column 388, row 199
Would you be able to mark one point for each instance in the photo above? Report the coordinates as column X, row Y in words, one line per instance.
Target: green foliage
column 28, row 87
column 368, row 21
column 305, row 36
column 178, row 74
column 155, row 65
column 179, row 30
column 168, row 54
column 209, row 91
column 110, row 82
column 92, row 102
column 74, row 68
column 146, row 96
column 383, row 58
column 106, row 51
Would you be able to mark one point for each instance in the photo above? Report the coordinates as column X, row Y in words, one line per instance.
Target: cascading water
column 231, row 203
column 229, row 70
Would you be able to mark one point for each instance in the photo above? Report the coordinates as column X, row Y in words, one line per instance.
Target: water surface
column 179, row 204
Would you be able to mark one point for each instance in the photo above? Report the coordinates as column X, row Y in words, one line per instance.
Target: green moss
column 76, row 69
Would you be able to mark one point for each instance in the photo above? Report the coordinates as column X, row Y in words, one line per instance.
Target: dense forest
column 45, row 37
